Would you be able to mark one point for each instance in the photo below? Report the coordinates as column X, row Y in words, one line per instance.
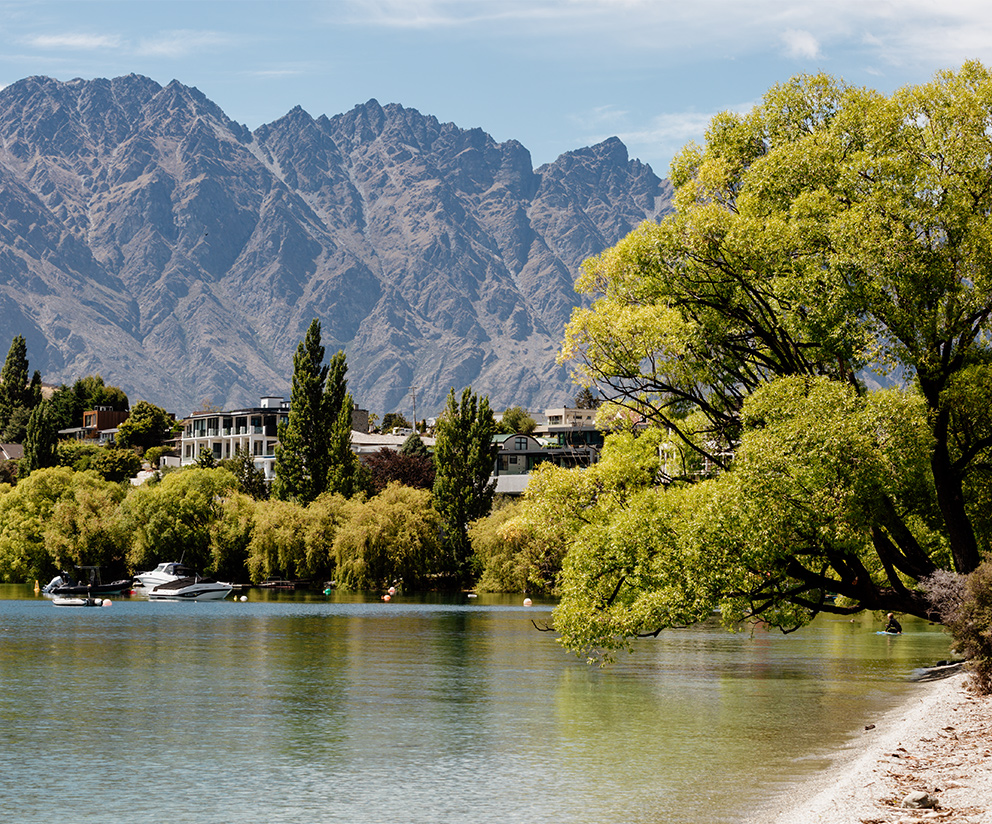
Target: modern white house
column 253, row 429
column 222, row 434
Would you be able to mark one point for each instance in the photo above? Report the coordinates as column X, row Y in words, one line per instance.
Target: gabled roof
column 11, row 451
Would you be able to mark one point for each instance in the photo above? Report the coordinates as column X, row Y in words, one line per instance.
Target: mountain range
column 147, row 237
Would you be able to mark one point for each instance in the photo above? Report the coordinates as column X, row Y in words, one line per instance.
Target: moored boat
column 88, row 584
column 191, row 588
column 67, row 601
column 163, row 574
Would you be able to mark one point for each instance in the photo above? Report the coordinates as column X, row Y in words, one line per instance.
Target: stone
column 919, row 800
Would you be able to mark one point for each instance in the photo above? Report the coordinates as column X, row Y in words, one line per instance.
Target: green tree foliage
column 15, row 391
column 325, row 517
column 155, row 454
column 76, row 454
column 301, row 454
column 146, row 426
column 205, row 459
column 70, row 402
column 517, row 420
column 585, row 399
column 345, row 473
column 463, row 458
column 413, row 445
column 230, row 536
column 56, row 518
column 173, row 519
column 116, row 464
column 394, row 420
column 829, row 230
column 504, row 545
column 391, row 537
column 278, row 546
column 39, row 441
column 250, row 479
column 16, row 429
column 291, row 541
column 314, row 451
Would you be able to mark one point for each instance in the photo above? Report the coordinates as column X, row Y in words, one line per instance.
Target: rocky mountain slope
column 147, row 237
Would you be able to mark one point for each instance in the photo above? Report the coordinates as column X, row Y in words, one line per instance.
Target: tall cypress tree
column 301, row 454
column 39, row 443
column 463, row 456
column 14, row 389
column 345, row 473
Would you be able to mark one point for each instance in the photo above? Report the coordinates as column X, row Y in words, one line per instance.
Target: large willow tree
column 831, row 233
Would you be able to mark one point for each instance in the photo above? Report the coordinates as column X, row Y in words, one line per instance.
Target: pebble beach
column 927, row 760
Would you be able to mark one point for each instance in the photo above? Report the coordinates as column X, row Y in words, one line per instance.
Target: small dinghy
column 68, row 601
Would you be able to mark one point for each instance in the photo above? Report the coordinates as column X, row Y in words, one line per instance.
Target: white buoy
column 392, row 590
column 107, row 602
column 528, row 602
column 244, row 597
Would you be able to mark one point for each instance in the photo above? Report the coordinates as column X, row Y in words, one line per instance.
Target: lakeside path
column 939, row 741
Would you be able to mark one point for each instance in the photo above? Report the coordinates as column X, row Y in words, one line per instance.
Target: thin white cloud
column 662, row 136
column 676, row 128
column 801, row 44
column 891, row 33
column 74, row 41
column 181, row 43
column 427, row 14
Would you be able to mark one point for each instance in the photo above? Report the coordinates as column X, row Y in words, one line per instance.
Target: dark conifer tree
column 463, row 457
column 301, row 454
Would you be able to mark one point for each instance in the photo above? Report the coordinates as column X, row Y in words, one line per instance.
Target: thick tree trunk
column 948, row 487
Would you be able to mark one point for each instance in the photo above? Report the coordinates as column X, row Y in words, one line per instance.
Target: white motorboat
column 191, row 588
column 163, row 574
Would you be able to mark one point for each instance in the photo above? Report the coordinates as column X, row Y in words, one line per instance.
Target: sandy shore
column 939, row 742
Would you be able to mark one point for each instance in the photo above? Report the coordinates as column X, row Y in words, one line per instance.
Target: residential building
column 222, row 434
column 568, row 438
column 253, row 429
column 368, row 443
column 11, row 451
column 99, row 424
column 570, row 427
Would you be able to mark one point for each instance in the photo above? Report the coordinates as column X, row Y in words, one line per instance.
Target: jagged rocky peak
column 149, row 238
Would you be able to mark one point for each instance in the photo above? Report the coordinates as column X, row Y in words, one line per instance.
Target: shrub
column 964, row 605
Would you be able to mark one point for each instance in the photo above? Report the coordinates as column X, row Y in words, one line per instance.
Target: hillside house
column 99, row 425
column 253, row 429
column 222, row 434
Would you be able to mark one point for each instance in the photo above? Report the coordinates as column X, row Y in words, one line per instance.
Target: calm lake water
column 311, row 709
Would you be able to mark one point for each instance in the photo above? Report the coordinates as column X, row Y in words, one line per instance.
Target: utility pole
column 413, row 394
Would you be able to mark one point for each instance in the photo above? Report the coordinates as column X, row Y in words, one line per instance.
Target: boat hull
column 66, row 601
column 115, row 588
column 191, row 589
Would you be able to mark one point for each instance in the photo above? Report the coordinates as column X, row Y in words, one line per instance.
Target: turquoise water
column 307, row 709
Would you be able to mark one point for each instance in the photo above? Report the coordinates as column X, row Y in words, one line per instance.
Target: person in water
column 893, row 625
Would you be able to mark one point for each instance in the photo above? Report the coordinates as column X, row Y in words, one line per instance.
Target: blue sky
column 554, row 74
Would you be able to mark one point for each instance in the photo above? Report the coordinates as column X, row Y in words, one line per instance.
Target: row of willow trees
column 329, row 516
column 59, row 517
